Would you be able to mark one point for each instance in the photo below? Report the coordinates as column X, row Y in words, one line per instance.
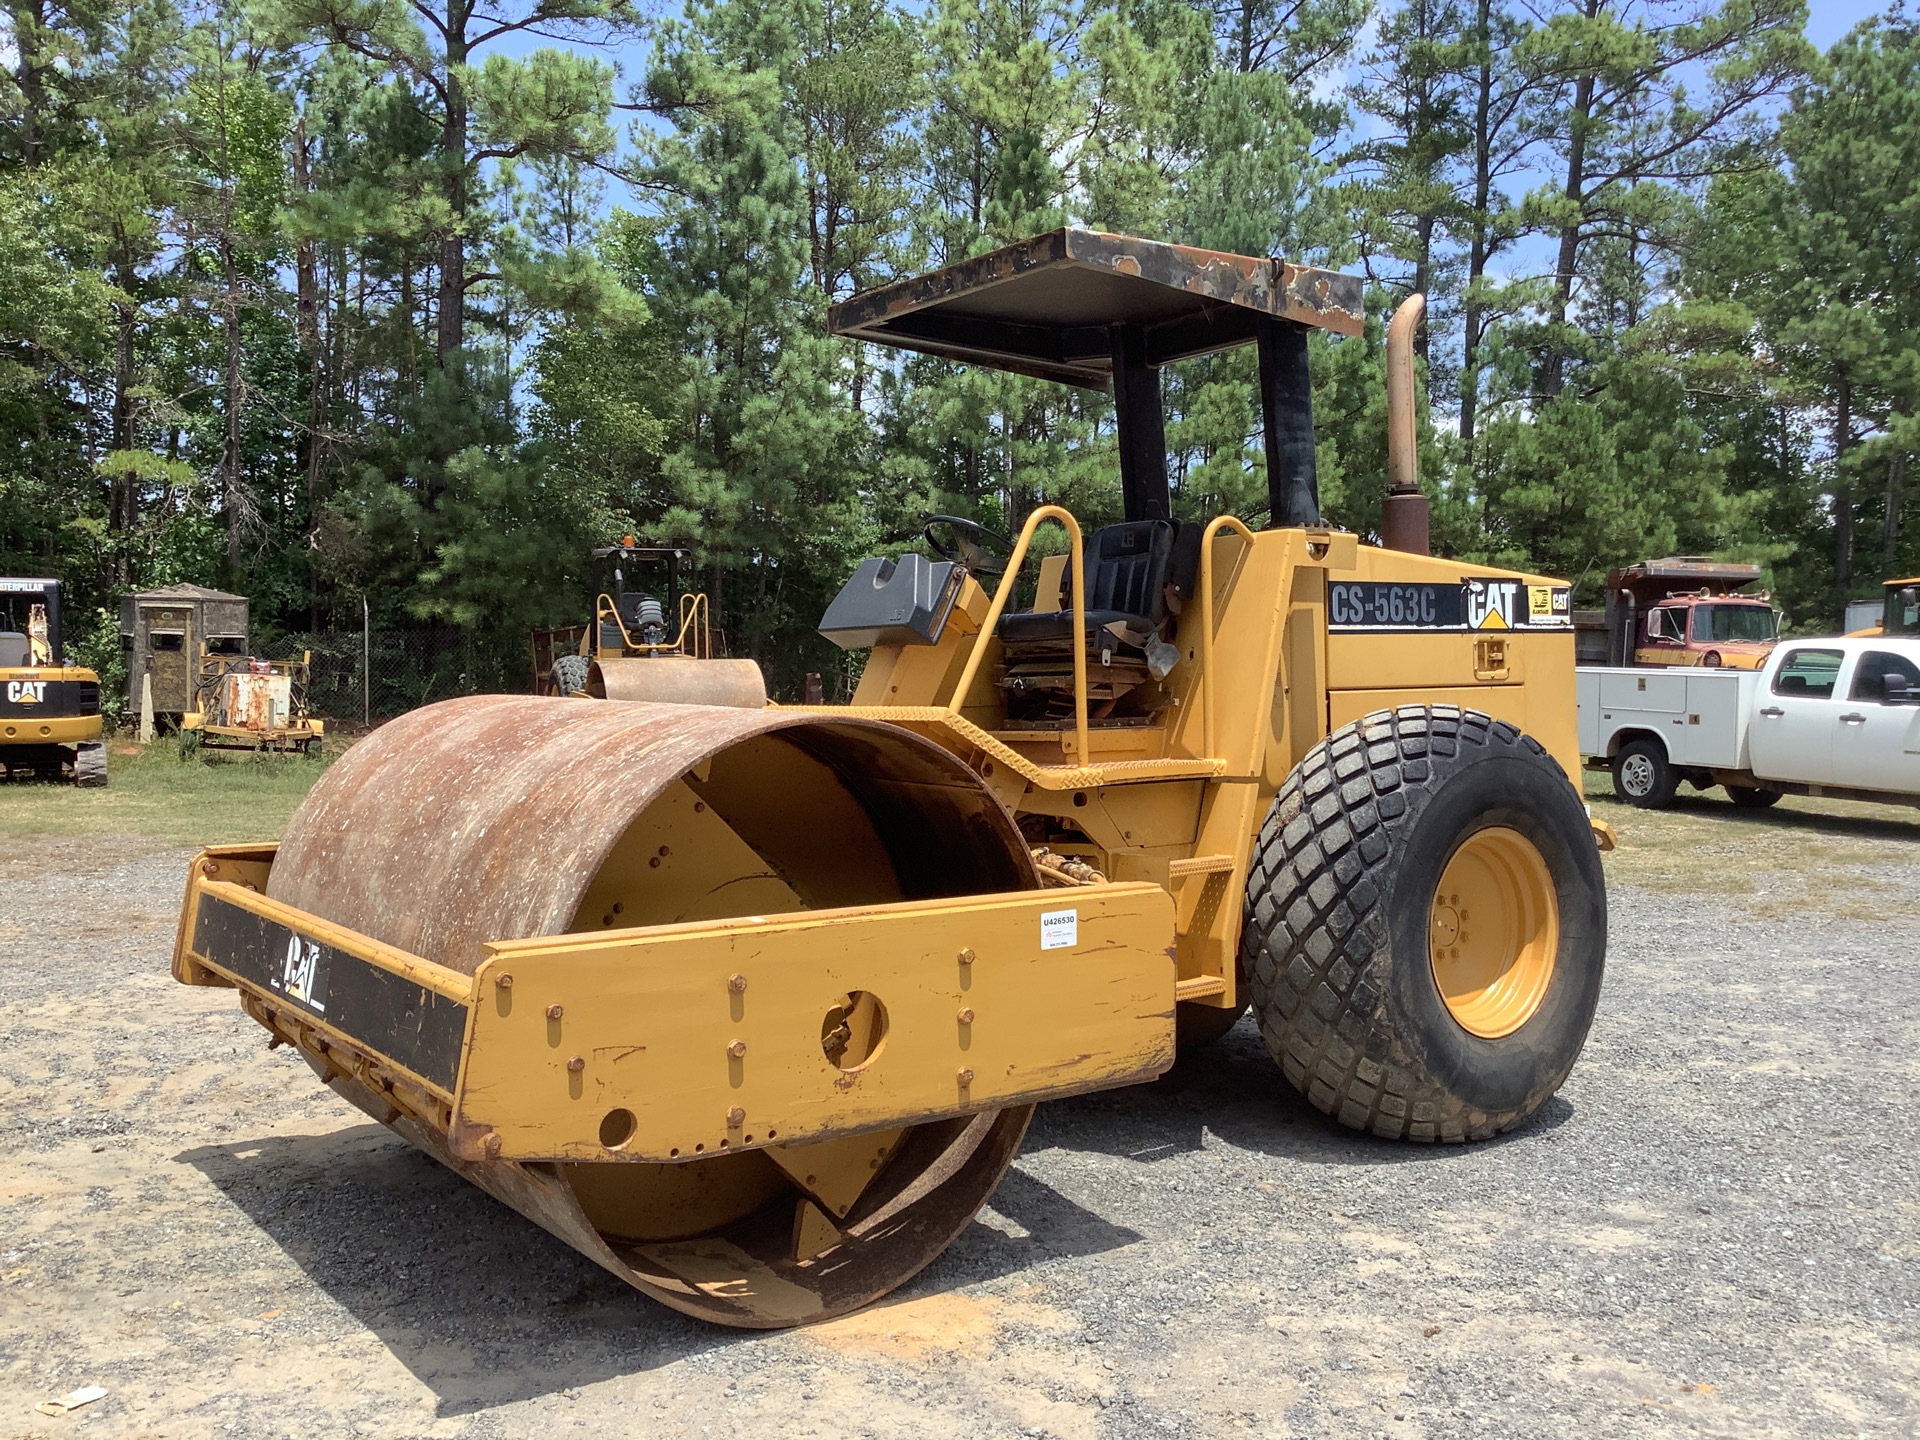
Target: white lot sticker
column 1059, row 929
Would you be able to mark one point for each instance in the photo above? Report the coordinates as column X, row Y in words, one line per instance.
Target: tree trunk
column 1477, row 246
column 1420, row 150
column 1553, row 368
column 409, row 367
column 1842, row 487
column 452, row 331
column 29, row 41
column 124, row 500
column 1896, row 498
column 1422, row 274
column 306, row 324
column 232, row 498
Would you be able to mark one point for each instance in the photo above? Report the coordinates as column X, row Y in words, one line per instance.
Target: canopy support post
column 1142, row 427
column 1286, row 404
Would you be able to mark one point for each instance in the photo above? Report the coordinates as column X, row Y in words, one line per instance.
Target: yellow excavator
column 49, row 710
column 752, row 1004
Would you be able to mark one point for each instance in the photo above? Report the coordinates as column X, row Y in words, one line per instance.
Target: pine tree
column 1824, row 253
column 1609, row 83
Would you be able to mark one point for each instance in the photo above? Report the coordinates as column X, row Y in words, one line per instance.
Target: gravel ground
column 1713, row 1230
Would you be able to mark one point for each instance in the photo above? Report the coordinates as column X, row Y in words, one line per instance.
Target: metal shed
column 162, row 632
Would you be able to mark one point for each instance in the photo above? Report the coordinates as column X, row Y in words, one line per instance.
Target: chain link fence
column 366, row 677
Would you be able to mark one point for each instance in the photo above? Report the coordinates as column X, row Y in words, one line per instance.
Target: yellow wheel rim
column 1494, row 932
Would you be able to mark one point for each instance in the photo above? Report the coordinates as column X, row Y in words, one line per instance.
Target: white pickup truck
column 1838, row 718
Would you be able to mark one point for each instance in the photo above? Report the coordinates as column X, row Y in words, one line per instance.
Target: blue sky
column 1828, row 20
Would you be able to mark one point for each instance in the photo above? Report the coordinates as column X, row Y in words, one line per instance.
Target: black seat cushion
column 1127, row 569
column 1026, row 628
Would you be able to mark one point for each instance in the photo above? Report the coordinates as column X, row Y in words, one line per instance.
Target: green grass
column 1802, row 856
column 154, row 793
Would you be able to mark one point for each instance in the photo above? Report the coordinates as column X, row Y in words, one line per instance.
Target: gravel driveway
column 1713, row 1230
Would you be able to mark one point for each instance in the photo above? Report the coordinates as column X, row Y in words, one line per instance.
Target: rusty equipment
column 242, row 703
column 1680, row 611
column 752, row 1004
column 653, row 642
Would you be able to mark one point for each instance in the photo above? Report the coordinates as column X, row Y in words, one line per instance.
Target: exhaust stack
column 1403, row 519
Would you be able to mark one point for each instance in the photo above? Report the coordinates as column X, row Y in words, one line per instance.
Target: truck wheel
column 569, row 675
column 1751, row 797
column 1426, row 925
column 1642, row 776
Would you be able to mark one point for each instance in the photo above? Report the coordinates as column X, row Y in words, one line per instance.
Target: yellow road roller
column 632, row 651
column 752, row 1004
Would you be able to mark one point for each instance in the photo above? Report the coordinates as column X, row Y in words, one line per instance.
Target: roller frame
column 707, row 1034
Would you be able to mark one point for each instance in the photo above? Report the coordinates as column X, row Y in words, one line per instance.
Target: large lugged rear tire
column 569, row 675
column 1393, row 842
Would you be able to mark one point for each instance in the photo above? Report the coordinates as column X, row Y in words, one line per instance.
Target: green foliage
column 333, row 300
column 1823, row 255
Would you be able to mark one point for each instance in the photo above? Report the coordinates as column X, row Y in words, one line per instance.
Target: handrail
column 1207, row 538
column 1005, row 593
column 694, row 609
column 694, row 616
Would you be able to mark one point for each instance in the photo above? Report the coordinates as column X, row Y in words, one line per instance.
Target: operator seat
column 1128, row 569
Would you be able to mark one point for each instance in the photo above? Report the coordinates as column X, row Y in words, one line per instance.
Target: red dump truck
column 1681, row 611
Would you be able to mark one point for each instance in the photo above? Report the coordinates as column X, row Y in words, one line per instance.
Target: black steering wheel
column 983, row 551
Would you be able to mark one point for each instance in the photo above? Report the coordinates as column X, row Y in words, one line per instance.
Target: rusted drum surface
column 679, row 680
column 501, row 817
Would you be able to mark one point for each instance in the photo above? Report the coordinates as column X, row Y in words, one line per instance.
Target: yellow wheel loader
column 50, row 721
column 752, row 1004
